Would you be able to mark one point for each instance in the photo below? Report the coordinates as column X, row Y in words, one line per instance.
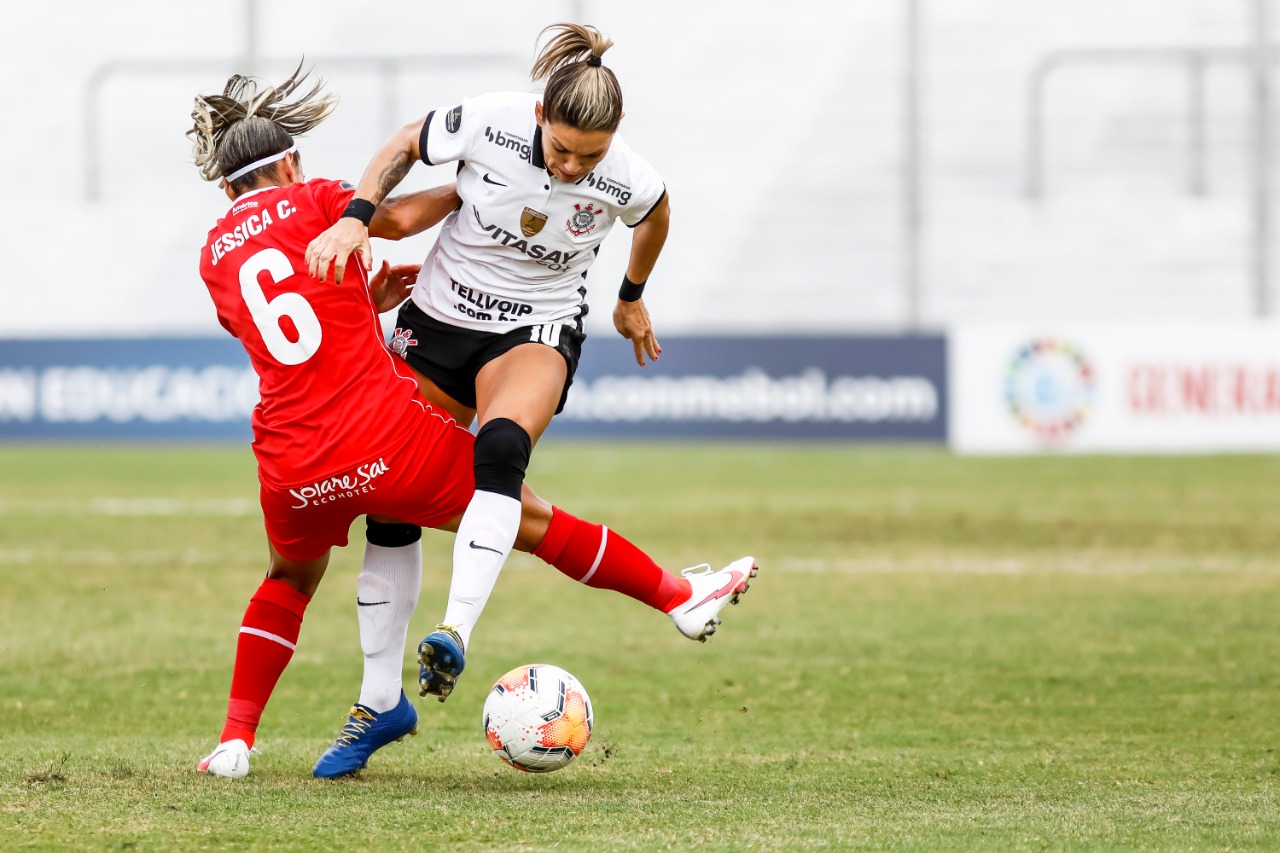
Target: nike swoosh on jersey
column 360, row 603
column 483, row 547
column 722, row 591
column 489, row 180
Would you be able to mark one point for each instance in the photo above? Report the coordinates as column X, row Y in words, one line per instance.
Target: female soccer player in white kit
column 495, row 325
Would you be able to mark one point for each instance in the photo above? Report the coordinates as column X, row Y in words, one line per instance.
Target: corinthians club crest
column 531, row 221
column 582, row 220
column 401, row 341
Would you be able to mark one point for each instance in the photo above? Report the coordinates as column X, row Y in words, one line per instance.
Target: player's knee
column 502, row 455
column 391, row 535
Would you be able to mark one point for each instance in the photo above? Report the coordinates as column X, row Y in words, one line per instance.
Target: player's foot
column 441, row 660
column 230, row 760
column 698, row 617
column 364, row 734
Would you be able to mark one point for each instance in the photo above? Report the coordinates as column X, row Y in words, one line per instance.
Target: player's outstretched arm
column 405, row 215
column 630, row 316
column 350, row 234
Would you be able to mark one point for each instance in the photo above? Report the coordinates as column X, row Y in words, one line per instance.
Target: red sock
column 600, row 558
column 268, row 635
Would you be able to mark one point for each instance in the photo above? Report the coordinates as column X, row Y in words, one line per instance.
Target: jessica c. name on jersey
column 253, row 225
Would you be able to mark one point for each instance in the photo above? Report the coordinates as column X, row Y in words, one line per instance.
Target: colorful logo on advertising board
column 1050, row 388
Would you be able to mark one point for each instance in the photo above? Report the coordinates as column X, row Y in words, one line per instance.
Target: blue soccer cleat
column 364, row 734
column 441, row 660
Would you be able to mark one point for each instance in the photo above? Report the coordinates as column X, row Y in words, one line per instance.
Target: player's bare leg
column 516, row 395
column 601, row 558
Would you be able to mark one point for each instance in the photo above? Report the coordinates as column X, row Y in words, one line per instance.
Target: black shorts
column 451, row 357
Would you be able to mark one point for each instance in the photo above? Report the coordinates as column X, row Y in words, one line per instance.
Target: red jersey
column 332, row 394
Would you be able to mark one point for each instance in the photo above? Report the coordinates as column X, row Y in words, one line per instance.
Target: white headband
column 258, row 164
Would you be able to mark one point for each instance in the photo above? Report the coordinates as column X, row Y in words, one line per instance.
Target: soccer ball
column 537, row 718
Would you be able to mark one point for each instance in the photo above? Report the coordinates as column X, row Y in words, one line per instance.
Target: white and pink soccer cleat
column 698, row 617
column 230, row 760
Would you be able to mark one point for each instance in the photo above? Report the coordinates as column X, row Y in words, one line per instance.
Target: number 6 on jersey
column 267, row 314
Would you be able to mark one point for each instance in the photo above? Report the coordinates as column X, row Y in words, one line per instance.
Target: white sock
column 386, row 594
column 485, row 537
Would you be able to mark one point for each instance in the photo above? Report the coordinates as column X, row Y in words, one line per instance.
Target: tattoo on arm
column 393, row 175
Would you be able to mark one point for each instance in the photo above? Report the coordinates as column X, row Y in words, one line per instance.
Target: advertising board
column 874, row 388
column 1132, row 389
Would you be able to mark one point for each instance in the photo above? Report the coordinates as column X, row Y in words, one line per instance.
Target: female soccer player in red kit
column 342, row 431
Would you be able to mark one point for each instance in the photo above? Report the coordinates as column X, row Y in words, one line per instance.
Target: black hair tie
column 595, row 62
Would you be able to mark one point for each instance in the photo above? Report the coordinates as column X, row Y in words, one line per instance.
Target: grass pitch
column 939, row 654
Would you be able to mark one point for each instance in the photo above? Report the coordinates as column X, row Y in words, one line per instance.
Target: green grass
column 939, row 654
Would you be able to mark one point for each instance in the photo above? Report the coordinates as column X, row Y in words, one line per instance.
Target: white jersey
column 516, row 253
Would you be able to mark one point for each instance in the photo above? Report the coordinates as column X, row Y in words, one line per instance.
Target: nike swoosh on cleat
column 360, row 603
column 489, row 180
column 722, row 591
column 483, row 548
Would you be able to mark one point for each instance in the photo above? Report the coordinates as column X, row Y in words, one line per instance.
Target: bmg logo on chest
column 610, row 187
column 512, row 143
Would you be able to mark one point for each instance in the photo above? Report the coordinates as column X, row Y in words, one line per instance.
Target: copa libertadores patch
column 453, row 120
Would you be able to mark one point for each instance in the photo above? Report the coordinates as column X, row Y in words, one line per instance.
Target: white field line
column 519, row 562
column 1060, row 564
column 134, row 507
column 105, row 558
column 944, row 565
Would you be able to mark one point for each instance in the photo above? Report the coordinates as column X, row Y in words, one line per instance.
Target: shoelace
column 694, row 571
column 452, row 632
column 358, row 722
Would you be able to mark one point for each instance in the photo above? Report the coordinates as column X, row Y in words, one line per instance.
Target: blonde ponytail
column 580, row 91
column 247, row 122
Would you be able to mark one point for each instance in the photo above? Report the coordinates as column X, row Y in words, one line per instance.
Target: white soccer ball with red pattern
column 537, row 718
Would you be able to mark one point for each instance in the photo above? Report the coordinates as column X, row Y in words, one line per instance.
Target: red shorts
column 426, row 481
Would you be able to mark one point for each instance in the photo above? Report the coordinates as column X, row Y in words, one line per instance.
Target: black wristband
column 359, row 208
column 630, row 291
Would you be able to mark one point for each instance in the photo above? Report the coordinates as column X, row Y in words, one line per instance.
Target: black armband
column 359, row 208
column 630, row 291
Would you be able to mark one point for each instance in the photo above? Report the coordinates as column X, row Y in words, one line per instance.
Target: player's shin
column 485, row 537
column 599, row 557
column 386, row 593
column 489, row 526
column 268, row 636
